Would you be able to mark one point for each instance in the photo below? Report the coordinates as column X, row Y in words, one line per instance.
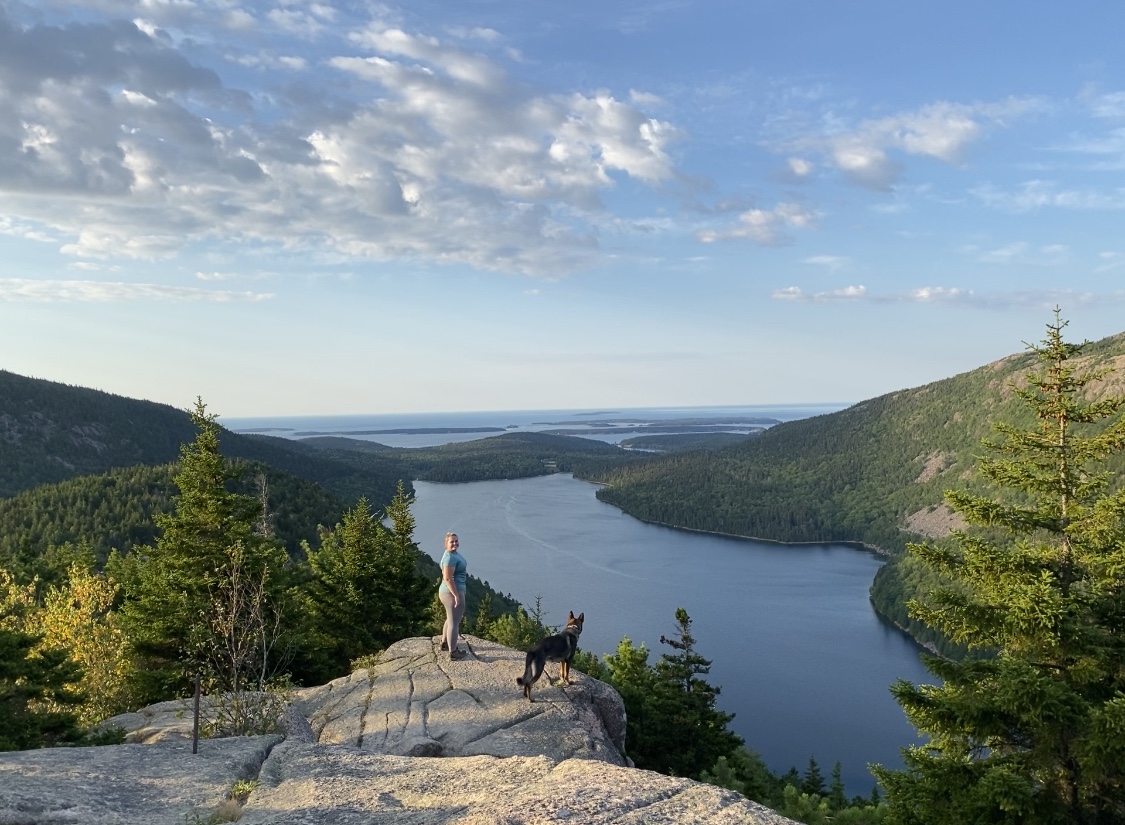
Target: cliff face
column 416, row 738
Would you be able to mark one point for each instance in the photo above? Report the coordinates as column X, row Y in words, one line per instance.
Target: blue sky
column 346, row 207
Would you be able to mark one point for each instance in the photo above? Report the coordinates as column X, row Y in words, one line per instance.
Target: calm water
column 802, row 659
column 509, row 421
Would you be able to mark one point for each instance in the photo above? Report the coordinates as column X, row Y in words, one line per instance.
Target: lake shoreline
column 854, row 545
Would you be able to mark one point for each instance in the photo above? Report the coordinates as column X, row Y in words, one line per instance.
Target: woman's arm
column 447, row 577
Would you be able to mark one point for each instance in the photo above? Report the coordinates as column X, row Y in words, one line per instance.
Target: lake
column 801, row 657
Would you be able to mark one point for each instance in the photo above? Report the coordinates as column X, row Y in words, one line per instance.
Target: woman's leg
column 453, row 617
column 449, row 629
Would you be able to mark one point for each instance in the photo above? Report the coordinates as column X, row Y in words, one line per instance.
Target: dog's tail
column 532, row 670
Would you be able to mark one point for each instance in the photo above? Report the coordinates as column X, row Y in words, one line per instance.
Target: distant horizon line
column 585, row 410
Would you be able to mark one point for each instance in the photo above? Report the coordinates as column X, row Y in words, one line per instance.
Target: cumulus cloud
column 418, row 148
column 867, row 154
column 799, row 167
column 27, row 290
column 766, row 227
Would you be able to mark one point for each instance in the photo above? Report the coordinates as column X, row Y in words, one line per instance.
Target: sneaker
column 457, row 654
column 444, row 644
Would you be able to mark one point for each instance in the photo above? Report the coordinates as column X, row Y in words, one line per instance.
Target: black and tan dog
column 558, row 648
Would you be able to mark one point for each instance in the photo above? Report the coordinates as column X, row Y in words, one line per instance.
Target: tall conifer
column 365, row 591
column 1032, row 731
column 170, row 586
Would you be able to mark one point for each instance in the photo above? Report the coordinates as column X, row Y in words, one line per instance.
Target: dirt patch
column 935, row 522
column 933, row 464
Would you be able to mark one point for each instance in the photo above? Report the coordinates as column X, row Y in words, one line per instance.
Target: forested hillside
column 115, row 510
column 511, row 455
column 50, row 432
column 874, row 473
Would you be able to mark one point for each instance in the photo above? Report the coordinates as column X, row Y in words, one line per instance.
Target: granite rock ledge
column 415, row 738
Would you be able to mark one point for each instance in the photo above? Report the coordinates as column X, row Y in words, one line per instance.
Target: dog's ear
column 571, row 617
column 581, row 617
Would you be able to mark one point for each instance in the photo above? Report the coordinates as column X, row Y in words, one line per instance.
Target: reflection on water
column 802, row 659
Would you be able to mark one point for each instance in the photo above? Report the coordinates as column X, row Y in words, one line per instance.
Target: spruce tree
column 365, row 591
column 407, row 611
column 1032, row 730
column 29, row 679
column 694, row 730
column 813, row 781
column 170, row 586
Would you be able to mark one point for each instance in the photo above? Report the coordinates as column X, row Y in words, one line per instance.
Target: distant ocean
column 486, row 424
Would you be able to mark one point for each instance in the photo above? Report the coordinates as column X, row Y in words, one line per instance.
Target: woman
column 451, row 591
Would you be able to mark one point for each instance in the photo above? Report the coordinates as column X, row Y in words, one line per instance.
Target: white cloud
column 266, row 60
column 1109, row 262
column 1108, row 105
column 943, row 131
column 437, row 155
column 645, row 99
column 797, row 295
column 764, row 227
column 35, row 291
column 954, row 296
column 478, row 33
column 830, row 262
column 799, row 167
column 296, row 22
column 1037, row 194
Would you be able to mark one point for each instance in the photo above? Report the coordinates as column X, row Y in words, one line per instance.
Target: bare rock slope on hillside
column 416, row 738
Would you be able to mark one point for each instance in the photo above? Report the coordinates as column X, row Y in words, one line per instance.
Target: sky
column 298, row 208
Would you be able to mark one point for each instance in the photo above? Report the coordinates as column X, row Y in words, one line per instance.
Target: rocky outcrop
column 163, row 783
column 416, row 702
column 416, row 738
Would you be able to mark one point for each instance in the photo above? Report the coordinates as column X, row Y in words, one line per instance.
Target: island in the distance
column 407, row 431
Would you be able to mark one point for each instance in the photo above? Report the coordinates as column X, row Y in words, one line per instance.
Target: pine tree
column 837, row 799
column 30, row 677
column 1033, row 730
column 694, row 730
column 170, row 587
column 813, row 781
column 365, row 592
column 408, row 610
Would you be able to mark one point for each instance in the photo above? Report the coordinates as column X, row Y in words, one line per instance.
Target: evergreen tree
column 407, row 608
column 746, row 772
column 365, row 592
column 837, row 798
column 694, row 731
column 635, row 680
column 483, row 620
column 170, row 586
column 813, row 781
column 30, row 677
column 1035, row 732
